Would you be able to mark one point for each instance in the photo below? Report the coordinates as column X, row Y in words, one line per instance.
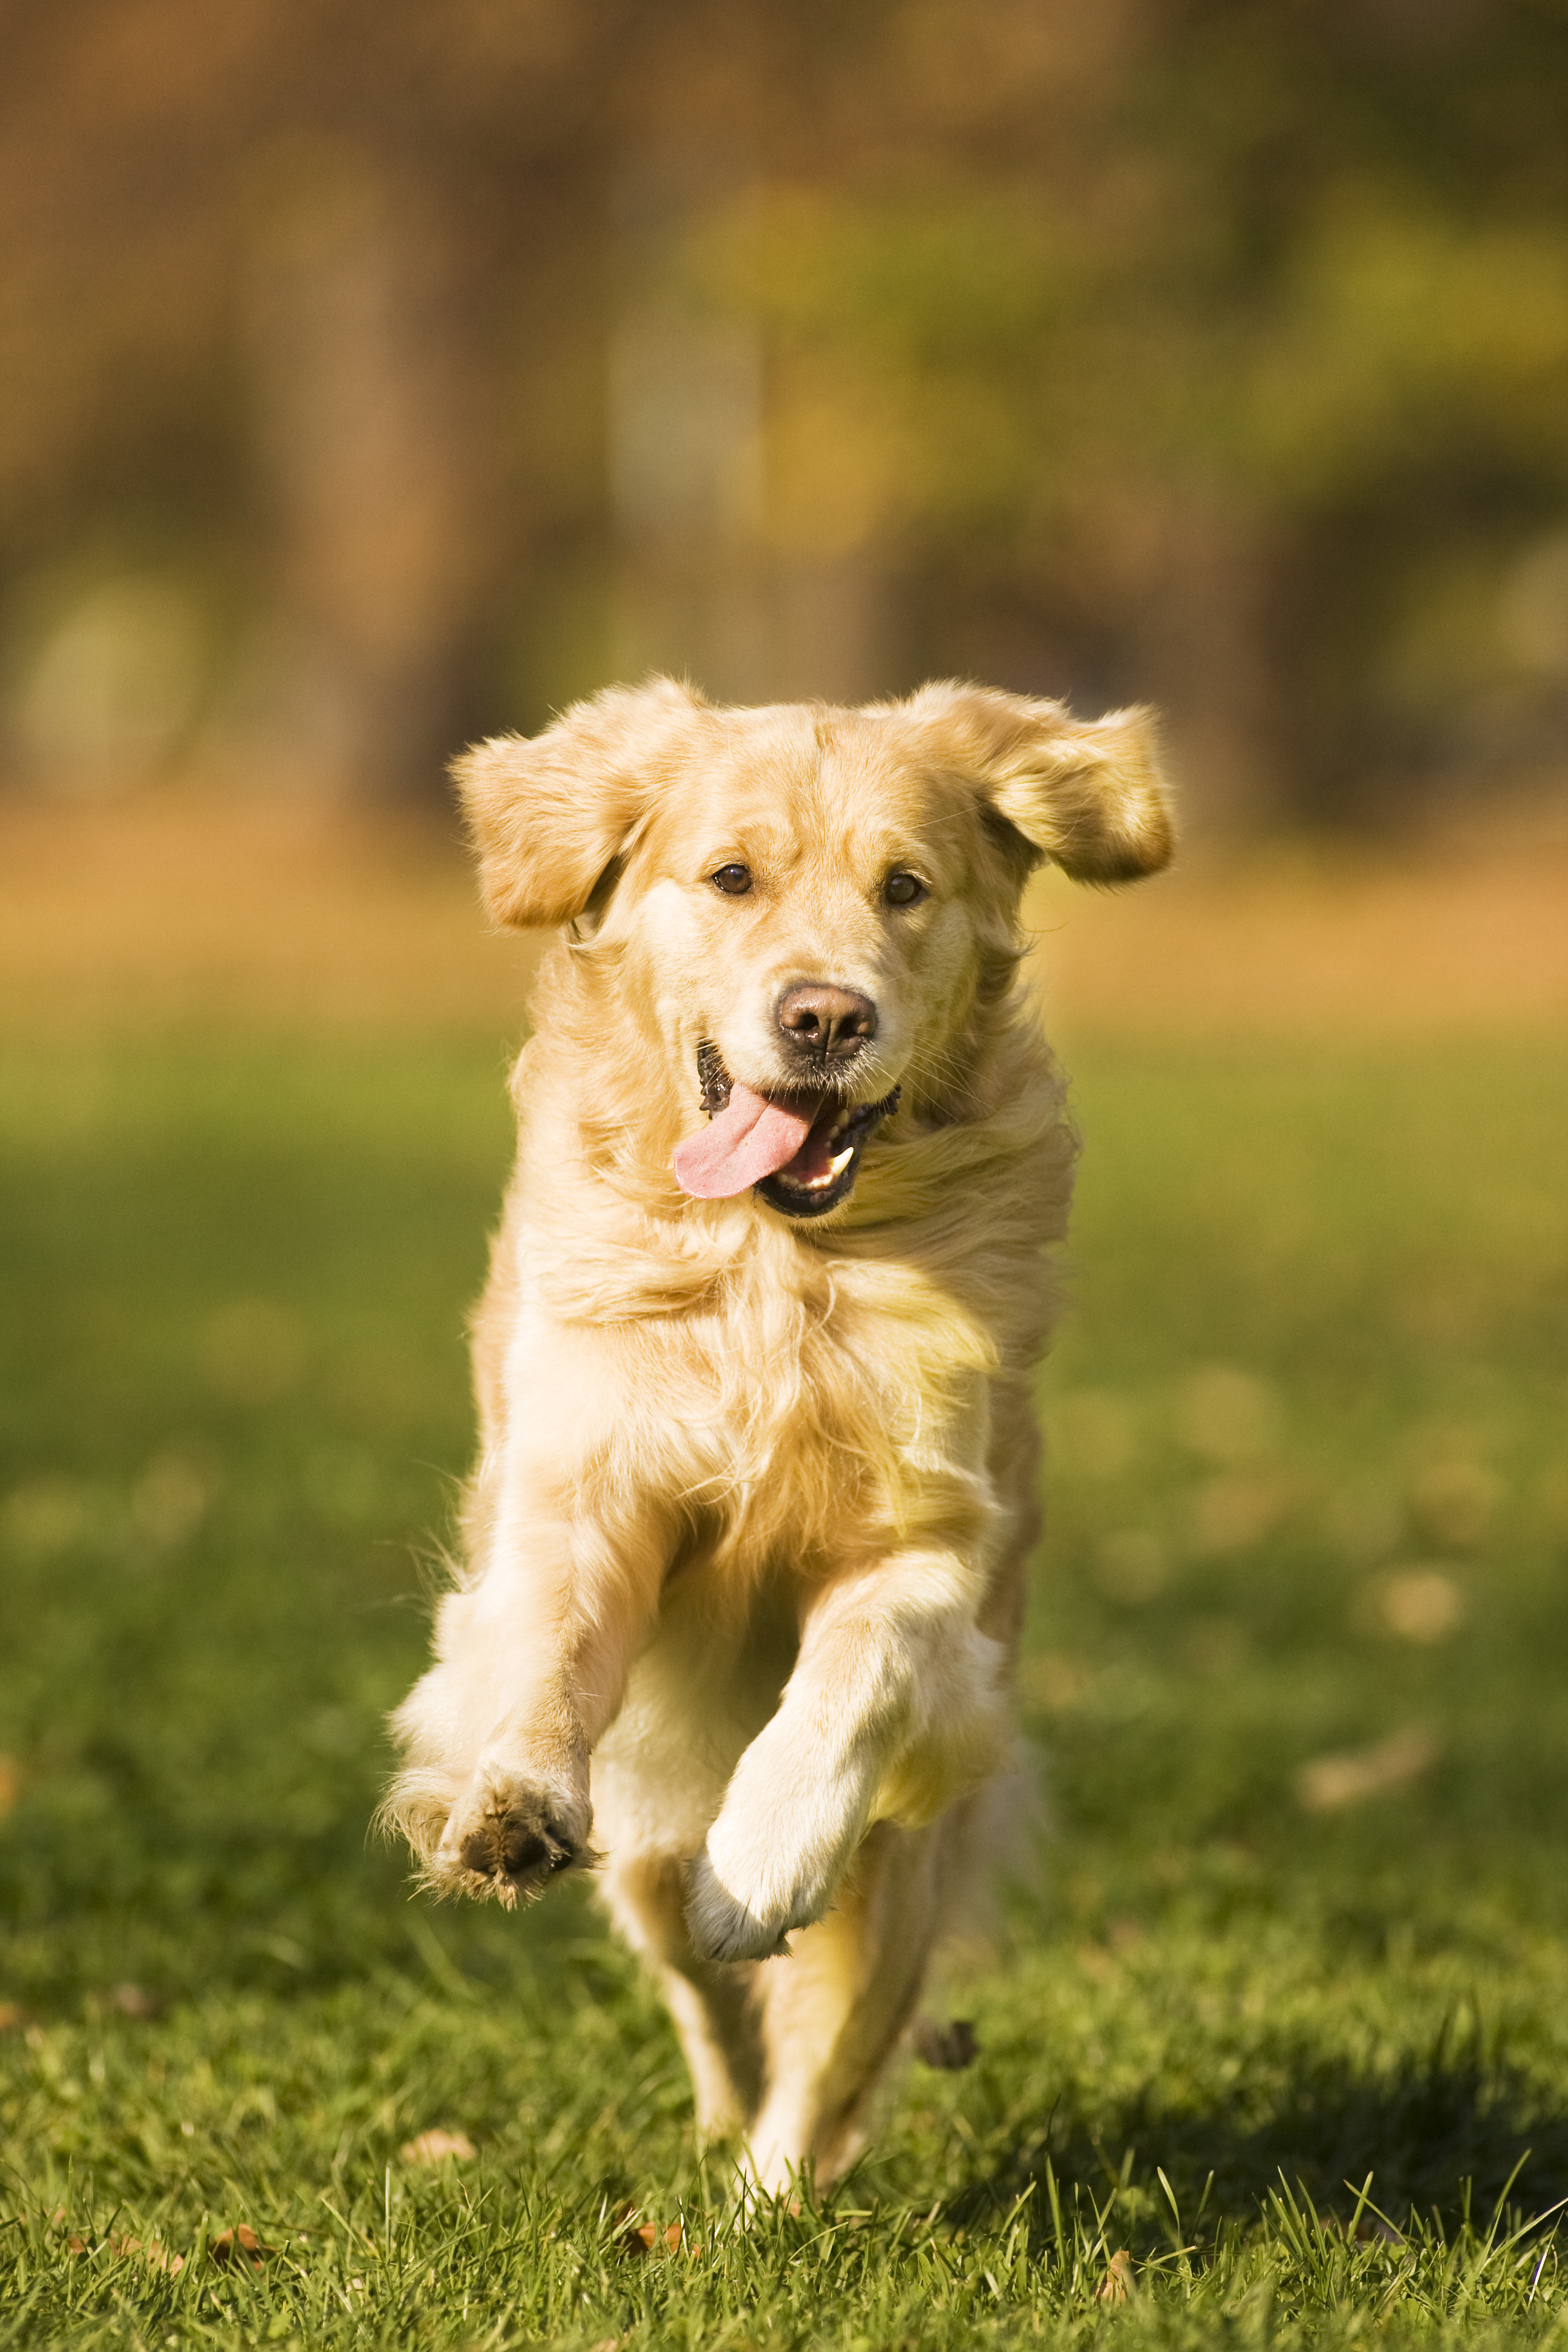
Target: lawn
column 1275, row 2047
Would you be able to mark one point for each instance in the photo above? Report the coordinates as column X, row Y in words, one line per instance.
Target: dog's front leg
column 532, row 1663
column 897, row 1703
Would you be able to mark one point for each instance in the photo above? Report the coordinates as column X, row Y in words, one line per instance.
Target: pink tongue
column 752, row 1138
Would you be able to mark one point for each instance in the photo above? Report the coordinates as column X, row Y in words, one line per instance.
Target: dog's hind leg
column 713, row 2005
column 834, row 2007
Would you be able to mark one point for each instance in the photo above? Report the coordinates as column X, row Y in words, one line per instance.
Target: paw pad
column 505, row 1847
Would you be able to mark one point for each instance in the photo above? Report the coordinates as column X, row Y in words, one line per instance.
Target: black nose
column 826, row 1023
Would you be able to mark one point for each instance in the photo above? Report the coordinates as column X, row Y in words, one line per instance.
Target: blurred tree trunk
column 1203, row 651
column 377, row 434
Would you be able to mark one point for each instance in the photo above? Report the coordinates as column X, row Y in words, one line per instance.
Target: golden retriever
column 746, row 1543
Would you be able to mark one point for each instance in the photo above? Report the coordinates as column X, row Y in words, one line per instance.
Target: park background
column 372, row 379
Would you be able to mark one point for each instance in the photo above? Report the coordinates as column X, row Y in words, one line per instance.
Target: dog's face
column 803, row 917
column 800, row 906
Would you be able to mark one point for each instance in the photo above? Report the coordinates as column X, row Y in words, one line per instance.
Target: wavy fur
column 745, row 1547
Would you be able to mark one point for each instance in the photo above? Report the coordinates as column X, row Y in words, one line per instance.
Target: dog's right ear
column 549, row 813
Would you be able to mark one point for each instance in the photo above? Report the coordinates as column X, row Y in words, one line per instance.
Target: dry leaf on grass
column 636, row 2238
column 1328, row 1784
column 435, row 2146
column 125, row 2248
column 134, row 2000
column 157, row 2257
column 1420, row 1604
column 239, row 2244
column 12, row 2015
column 1118, row 2284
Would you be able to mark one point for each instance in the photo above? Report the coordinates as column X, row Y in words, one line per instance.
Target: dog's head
column 802, row 907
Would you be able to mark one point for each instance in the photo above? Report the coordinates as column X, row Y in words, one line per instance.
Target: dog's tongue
column 752, row 1138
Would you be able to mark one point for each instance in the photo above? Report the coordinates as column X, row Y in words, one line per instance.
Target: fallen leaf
column 12, row 2015
column 638, row 2238
column 157, row 2256
column 1420, row 1604
column 1118, row 2285
column 239, row 2244
column 77, row 2245
column 435, row 2146
column 1328, row 1784
column 134, row 2000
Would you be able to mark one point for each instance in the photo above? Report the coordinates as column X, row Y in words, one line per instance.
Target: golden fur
column 747, row 1538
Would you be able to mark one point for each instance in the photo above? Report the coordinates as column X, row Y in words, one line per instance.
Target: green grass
column 1306, row 2069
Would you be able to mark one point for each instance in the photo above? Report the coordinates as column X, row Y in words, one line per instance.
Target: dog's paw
column 508, row 1837
column 774, row 1858
column 723, row 1926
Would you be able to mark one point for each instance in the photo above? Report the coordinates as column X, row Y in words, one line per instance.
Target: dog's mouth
column 801, row 1150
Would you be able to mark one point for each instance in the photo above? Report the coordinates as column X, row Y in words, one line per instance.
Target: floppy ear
column 1088, row 795
column 549, row 814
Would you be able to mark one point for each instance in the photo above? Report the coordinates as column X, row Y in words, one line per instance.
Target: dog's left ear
column 1089, row 796
column 550, row 813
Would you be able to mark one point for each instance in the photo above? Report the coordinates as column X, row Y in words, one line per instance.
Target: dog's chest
column 799, row 1408
column 824, row 1412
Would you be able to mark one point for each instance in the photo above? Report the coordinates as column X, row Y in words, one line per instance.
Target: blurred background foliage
column 376, row 376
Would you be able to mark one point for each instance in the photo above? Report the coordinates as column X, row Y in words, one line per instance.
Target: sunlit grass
column 1278, row 2044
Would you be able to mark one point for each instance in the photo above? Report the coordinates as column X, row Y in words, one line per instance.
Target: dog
column 745, row 1547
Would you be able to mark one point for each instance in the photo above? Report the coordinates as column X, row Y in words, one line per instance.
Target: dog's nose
column 826, row 1022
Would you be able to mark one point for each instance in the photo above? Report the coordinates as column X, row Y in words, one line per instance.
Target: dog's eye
column 903, row 890
column 734, row 881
